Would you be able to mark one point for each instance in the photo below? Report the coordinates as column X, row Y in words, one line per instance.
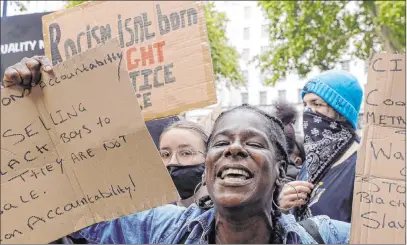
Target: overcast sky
column 34, row 7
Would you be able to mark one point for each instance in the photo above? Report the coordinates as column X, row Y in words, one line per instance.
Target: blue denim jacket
column 168, row 224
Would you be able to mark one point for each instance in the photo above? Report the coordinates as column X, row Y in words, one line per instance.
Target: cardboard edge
column 206, row 51
column 191, row 106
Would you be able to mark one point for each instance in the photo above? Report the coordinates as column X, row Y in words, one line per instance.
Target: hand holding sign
column 71, row 153
column 27, row 72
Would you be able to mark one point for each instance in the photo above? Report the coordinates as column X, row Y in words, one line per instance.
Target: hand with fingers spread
column 27, row 72
column 294, row 194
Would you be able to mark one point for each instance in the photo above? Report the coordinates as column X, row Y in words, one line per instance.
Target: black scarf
column 325, row 141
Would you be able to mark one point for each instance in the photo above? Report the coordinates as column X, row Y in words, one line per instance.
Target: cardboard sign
column 165, row 48
column 379, row 206
column 76, row 151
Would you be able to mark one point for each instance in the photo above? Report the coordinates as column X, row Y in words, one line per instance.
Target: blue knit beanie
column 340, row 90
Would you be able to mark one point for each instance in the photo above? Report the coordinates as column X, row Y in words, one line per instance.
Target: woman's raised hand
column 294, row 194
column 27, row 72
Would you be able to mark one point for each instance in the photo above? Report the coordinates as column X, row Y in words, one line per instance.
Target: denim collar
column 206, row 219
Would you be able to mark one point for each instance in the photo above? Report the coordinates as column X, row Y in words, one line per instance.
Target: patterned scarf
column 325, row 141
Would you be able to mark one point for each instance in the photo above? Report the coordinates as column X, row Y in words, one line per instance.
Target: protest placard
column 379, row 208
column 76, row 151
column 165, row 47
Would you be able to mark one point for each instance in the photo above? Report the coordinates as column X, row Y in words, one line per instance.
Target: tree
column 307, row 34
column 20, row 5
column 224, row 57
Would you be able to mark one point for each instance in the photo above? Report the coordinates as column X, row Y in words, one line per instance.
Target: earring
column 195, row 190
column 204, row 202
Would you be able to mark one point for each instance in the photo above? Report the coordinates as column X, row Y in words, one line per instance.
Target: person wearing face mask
column 182, row 149
column 245, row 161
column 332, row 102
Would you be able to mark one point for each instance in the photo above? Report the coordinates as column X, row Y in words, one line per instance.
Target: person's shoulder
column 112, row 231
column 178, row 213
column 332, row 231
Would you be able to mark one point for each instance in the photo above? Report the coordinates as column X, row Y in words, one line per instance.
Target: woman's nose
column 236, row 150
column 173, row 160
column 308, row 109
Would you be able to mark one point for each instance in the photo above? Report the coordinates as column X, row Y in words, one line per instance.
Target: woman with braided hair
column 245, row 165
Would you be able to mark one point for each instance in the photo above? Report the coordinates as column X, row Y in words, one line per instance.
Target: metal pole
column 4, row 8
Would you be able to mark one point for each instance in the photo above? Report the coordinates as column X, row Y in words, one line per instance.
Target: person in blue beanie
column 332, row 102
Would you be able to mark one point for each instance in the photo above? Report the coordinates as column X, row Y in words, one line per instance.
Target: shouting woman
column 246, row 160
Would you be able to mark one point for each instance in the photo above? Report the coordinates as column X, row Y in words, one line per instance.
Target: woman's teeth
column 235, row 174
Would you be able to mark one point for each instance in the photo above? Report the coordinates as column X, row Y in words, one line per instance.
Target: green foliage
column 224, row 57
column 21, row 5
column 305, row 34
column 73, row 3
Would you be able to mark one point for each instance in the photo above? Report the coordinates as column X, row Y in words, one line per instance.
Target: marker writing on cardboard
column 381, row 221
column 14, row 96
column 51, row 82
column 32, row 130
column 157, row 77
column 35, row 220
column 383, row 119
column 137, row 29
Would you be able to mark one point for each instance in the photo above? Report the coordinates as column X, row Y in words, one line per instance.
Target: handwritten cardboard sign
column 76, row 151
column 165, row 48
column 379, row 206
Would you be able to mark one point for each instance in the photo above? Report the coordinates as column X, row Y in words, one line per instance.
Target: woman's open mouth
column 232, row 175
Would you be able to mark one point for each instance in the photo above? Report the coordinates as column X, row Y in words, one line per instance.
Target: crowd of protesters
column 252, row 179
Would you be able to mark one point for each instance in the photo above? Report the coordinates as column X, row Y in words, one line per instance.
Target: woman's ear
column 203, row 178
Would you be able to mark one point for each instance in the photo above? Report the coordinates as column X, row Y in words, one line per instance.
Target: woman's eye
column 186, row 153
column 221, row 143
column 254, row 144
column 165, row 154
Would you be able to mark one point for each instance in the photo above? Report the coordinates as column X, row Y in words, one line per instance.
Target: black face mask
column 186, row 178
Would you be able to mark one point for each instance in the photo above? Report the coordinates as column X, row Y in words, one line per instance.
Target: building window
column 263, row 98
column 245, row 98
column 247, row 12
column 264, row 30
column 282, row 94
column 246, row 54
column 345, row 65
column 263, row 49
column 299, row 95
column 245, row 75
column 246, row 33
